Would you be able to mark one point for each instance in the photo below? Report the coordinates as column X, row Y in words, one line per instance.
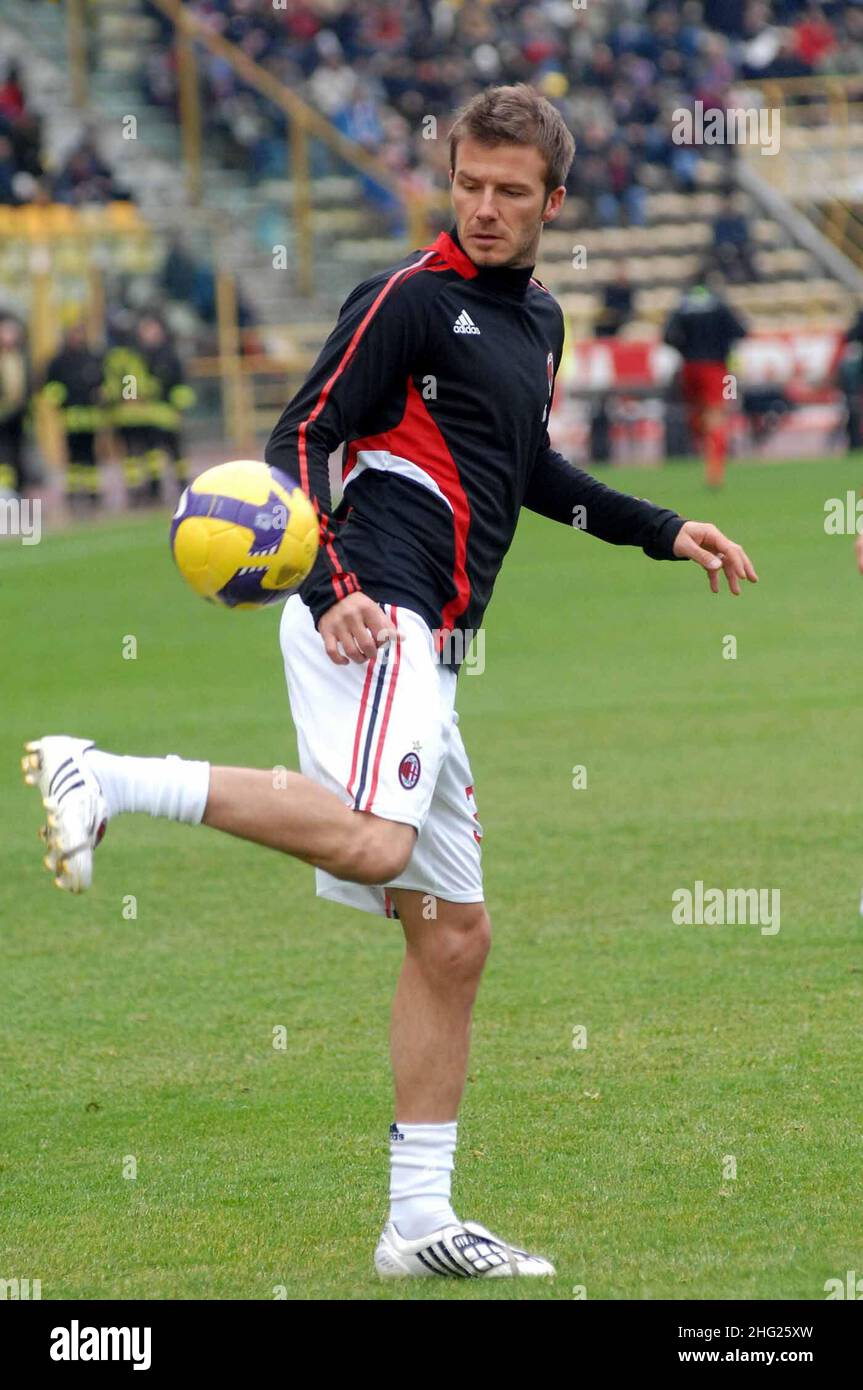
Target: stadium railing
column 820, row 152
column 303, row 123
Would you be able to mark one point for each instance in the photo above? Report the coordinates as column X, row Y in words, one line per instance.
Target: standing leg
column 715, row 445
column 446, row 947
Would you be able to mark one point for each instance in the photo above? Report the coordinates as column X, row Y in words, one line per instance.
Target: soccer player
column 704, row 330
column 438, row 378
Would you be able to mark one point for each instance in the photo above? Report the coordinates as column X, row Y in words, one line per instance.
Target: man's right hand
column 358, row 626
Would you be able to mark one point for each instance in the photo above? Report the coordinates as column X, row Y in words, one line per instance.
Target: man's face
column 498, row 194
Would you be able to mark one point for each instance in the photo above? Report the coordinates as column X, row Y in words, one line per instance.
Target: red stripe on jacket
column 417, row 437
column 344, row 583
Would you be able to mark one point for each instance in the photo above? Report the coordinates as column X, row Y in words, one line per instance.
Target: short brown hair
column 517, row 116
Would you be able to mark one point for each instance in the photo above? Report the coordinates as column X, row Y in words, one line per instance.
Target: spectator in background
column 732, row 247
column 73, row 385
column 12, row 99
column 850, row 377
column 787, row 61
column 589, row 180
column 150, row 425
column 179, row 271
column 681, row 160
column 14, row 400
column 847, row 57
column 814, row 38
column 605, row 175
column 84, row 177
column 251, row 131
column 20, row 140
column 616, row 305
column 855, row 332
column 359, row 120
column 26, row 137
column 624, row 195
column 191, row 281
column 8, row 172
column 703, row 329
column 331, row 85
column 727, row 16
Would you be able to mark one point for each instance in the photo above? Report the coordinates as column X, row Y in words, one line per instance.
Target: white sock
column 173, row 787
column 421, row 1164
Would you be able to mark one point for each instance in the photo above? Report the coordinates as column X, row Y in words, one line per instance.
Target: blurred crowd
column 615, row 70
column 82, row 177
column 378, row 68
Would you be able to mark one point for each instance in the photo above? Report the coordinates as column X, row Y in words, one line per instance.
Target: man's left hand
column 699, row 541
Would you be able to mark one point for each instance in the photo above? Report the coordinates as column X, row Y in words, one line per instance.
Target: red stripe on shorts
column 389, row 705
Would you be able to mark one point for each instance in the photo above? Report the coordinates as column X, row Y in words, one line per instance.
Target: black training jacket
column 438, row 379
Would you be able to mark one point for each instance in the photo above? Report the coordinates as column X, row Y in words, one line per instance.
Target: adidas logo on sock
column 395, row 1134
column 464, row 323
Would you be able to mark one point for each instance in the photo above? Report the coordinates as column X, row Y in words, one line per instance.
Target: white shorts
column 383, row 736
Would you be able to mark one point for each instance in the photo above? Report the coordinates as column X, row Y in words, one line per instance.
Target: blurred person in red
column 814, row 37
column 12, row 99
column 703, row 329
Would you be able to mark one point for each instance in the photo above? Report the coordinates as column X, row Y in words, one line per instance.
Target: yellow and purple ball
column 244, row 534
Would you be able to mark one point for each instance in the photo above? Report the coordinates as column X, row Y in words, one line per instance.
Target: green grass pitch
column 151, row 1039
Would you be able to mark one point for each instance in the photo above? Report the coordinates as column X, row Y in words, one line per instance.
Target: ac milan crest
column 409, row 771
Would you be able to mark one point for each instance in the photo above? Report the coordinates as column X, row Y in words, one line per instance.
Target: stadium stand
column 645, row 210
column 617, row 72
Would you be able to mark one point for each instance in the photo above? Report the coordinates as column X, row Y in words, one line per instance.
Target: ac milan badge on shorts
column 409, row 771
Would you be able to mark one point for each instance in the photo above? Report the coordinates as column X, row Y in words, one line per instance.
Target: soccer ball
column 244, row 534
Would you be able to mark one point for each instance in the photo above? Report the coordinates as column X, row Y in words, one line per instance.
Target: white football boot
column 467, row 1251
column 75, row 807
